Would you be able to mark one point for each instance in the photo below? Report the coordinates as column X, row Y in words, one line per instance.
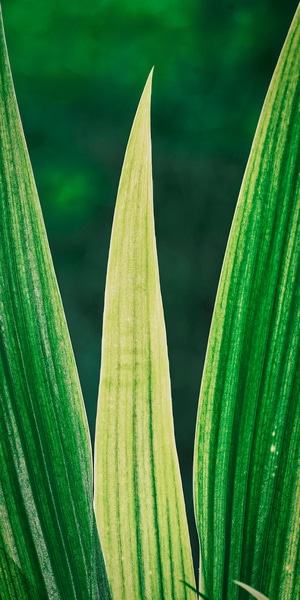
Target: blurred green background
column 79, row 68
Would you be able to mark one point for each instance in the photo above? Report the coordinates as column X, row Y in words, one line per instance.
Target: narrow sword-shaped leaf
column 138, row 495
column 247, row 467
column 47, row 535
column 199, row 594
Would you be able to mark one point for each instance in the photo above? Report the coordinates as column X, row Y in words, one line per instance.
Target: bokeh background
column 79, row 68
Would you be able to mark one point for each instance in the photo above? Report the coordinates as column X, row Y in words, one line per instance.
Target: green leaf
column 47, row 536
column 247, row 468
column 138, row 495
column 252, row 591
column 13, row 583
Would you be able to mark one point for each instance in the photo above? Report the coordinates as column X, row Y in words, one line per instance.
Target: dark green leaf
column 46, row 503
column 247, row 467
column 199, row 595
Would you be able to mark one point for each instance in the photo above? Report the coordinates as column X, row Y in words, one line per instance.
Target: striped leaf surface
column 138, row 495
column 247, row 467
column 48, row 544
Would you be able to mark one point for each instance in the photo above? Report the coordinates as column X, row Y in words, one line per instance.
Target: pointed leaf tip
column 46, row 476
column 146, row 95
column 247, row 488
column 251, row 590
column 138, row 495
column 150, row 76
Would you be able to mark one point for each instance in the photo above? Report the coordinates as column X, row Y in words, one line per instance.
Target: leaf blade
column 252, row 591
column 46, row 502
column 247, row 438
column 138, row 495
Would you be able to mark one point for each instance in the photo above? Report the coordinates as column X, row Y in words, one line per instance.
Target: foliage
column 247, row 494
column 139, row 491
column 78, row 68
column 49, row 541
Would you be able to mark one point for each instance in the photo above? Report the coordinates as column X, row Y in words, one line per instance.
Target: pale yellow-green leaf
column 138, row 495
column 252, row 591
